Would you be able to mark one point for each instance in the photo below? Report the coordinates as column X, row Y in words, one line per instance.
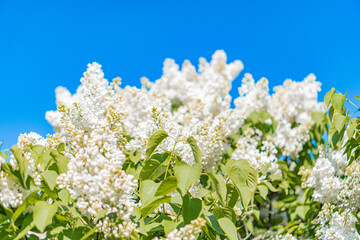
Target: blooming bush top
column 179, row 159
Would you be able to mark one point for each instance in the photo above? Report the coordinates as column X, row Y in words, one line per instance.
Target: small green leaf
column 244, row 177
column 152, row 169
column 4, row 155
column 232, row 195
column 19, row 210
column 22, row 162
column 154, row 141
column 167, row 186
column 220, row 212
column 43, row 214
column 39, row 149
column 302, row 210
column 45, row 161
column 213, row 222
column 339, row 121
column 61, row 161
column 270, row 186
column 245, row 194
column 64, row 195
column 318, row 117
column 229, row 228
column 61, row 147
column 169, row 226
column 337, row 100
column 149, row 208
column 186, row 175
column 238, row 170
column 263, row 191
column 90, row 233
column 148, row 189
column 23, row 232
column 220, row 186
column 192, row 208
column 252, row 180
column 196, row 150
column 50, row 178
column 328, row 97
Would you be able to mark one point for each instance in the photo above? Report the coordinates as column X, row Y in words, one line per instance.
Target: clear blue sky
column 44, row 44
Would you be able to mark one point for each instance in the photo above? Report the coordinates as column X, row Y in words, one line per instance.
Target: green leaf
column 154, row 141
column 19, row 210
column 318, row 117
column 149, row 208
column 45, row 161
column 43, row 214
column 186, row 175
column 61, row 161
column 337, row 100
column 339, row 121
column 39, row 149
column 245, row 194
column 148, row 189
column 61, row 147
column 196, row 150
column 270, row 186
column 151, row 169
column 71, row 234
column 101, row 214
column 167, row 186
column 50, row 178
column 220, row 186
column 252, row 180
column 169, row 226
column 23, row 232
column 328, row 97
column 302, row 210
column 213, row 222
column 229, row 228
column 64, row 195
column 4, row 155
column 220, row 212
column 263, row 191
column 89, row 233
column 135, row 156
column 238, row 170
column 244, row 177
column 22, row 162
column 232, row 195
column 192, row 208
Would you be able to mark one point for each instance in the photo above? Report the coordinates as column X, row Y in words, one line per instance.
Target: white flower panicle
column 337, row 186
column 188, row 232
column 185, row 102
column 103, row 121
column 13, row 194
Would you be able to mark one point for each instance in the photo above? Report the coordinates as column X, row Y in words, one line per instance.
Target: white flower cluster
column 187, row 232
column 336, row 225
column 12, row 194
column 337, row 186
column 290, row 105
column 247, row 148
column 187, row 103
column 276, row 236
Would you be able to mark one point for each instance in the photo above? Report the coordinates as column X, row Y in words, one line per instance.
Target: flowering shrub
column 179, row 159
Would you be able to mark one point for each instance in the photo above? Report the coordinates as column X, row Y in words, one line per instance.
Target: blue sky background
column 44, row 44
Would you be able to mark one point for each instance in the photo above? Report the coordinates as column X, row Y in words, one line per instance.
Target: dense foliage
column 178, row 159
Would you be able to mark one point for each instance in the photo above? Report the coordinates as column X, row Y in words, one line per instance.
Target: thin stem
column 172, row 152
column 352, row 103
